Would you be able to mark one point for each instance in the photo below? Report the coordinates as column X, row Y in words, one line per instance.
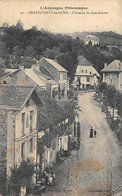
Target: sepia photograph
column 61, row 98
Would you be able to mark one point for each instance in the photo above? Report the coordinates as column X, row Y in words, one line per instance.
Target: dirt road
column 96, row 168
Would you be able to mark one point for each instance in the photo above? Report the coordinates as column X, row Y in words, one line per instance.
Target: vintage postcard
column 61, row 98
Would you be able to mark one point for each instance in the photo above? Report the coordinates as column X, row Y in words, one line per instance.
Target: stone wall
column 3, row 150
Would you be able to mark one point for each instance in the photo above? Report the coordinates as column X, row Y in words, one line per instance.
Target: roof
column 50, row 111
column 13, row 97
column 69, row 106
column 37, row 76
column 114, row 66
column 83, row 61
column 44, row 77
column 34, row 77
column 11, row 70
column 91, row 36
column 55, row 64
column 45, row 72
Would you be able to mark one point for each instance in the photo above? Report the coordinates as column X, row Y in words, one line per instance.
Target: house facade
column 18, row 128
column 28, row 77
column 54, row 122
column 85, row 75
column 91, row 39
column 58, row 73
column 112, row 74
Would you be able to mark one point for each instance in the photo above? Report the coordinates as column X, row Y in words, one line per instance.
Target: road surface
column 96, row 168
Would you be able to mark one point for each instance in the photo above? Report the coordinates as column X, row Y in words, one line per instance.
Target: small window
column 90, row 72
column 86, row 71
column 31, row 121
column 82, row 71
column 4, row 82
column 88, row 79
column 31, row 145
column 23, row 150
column 27, row 121
column 23, row 123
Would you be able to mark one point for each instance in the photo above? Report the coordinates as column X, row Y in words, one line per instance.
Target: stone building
column 18, row 127
column 112, row 74
column 58, row 73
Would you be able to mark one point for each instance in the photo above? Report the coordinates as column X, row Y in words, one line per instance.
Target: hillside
column 106, row 37
column 25, row 47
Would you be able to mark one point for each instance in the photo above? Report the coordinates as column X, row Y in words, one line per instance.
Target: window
column 31, row 145
column 27, row 121
column 31, row 121
column 23, row 123
column 88, row 79
column 86, row 71
column 90, row 72
column 82, row 70
column 23, row 150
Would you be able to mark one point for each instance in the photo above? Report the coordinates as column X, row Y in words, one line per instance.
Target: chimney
column 22, row 67
column 105, row 64
column 35, row 67
column 49, row 87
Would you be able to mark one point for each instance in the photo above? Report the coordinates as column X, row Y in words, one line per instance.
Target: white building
column 91, row 39
column 86, row 75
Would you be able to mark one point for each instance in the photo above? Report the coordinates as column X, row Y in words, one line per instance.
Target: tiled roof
column 55, row 64
column 34, row 77
column 69, row 106
column 44, row 77
column 50, row 110
column 83, row 61
column 45, row 72
column 12, row 97
column 114, row 66
column 91, row 36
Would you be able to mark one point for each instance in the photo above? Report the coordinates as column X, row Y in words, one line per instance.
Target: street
column 96, row 168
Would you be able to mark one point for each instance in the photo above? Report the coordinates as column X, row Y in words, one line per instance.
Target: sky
column 11, row 11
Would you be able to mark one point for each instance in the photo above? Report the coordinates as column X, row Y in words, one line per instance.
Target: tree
column 22, row 174
column 51, row 53
column 19, row 25
column 112, row 97
column 2, row 66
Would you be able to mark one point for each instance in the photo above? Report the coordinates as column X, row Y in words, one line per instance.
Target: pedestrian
column 95, row 133
column 91, row 132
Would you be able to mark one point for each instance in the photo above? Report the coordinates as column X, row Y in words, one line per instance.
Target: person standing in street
column 91, row 132
column 95, row 133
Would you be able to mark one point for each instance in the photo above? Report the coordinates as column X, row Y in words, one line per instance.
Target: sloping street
column 96, row 168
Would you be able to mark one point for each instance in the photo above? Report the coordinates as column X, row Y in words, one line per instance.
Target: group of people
column 93, row 132
column 49, row 178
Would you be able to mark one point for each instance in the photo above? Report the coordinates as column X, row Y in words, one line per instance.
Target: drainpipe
column 36, row 152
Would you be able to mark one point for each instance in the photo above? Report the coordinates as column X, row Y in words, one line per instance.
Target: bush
column 22, row 174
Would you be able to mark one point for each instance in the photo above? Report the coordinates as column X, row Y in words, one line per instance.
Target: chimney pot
column 105, row 64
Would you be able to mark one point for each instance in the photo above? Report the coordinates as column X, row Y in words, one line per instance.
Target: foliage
column 112, row 96
column 18, row 44
column 23, row 173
